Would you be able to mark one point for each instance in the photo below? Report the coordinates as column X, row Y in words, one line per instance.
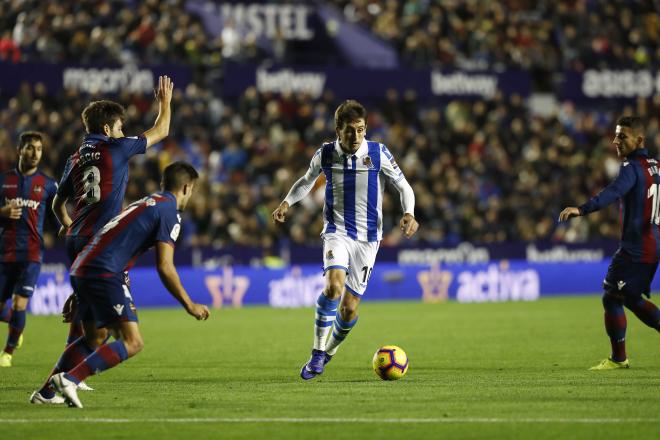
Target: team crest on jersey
column 38, row 188
column 330, row 255
column 366, row 161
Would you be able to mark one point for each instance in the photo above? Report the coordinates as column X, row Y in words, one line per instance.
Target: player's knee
column 334, row 290
column 94, row 340
column 610, row 298
column 19, row 303
column 134, row 345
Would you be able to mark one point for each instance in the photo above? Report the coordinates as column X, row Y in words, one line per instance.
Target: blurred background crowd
column 484, row 171
column 467, row 34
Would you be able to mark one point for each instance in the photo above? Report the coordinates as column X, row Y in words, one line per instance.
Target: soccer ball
column 390, row 362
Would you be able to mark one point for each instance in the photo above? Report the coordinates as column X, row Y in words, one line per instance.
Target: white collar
column 363, row 150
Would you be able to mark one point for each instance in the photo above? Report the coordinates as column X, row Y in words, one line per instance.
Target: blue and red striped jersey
column 22, row 239
column 127, row 236
column 638, row 188
column 95, row 178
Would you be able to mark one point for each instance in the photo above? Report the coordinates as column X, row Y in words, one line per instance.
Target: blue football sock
column 615, row 325
column 326, row 309
column 104, row 358
column 340, row 330
column 16, row 327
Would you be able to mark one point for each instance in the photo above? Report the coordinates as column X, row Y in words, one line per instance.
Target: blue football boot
column 315, row 365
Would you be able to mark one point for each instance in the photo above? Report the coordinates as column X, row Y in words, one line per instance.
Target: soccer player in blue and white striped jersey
column 355, row 171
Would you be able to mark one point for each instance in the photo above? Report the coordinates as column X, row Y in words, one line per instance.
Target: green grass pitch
column 504, row 370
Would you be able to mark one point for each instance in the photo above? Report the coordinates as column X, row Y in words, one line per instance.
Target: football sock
column 340, row 330
column 16, row 326
column 5, row 313
column 646, row 311
column 326, row 309
column 104, row 358
column 73, row 354
column 615, row 325
column 75, row 331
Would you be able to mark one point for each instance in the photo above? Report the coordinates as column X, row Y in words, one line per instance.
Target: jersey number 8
column 91, row 180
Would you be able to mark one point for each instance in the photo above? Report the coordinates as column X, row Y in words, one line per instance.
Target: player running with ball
column 355, row 171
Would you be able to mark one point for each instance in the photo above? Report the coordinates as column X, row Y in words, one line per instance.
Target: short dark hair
column 634, row 122
column 348, row 111
column 28, row 136
column 99, row 113
column 178, row 174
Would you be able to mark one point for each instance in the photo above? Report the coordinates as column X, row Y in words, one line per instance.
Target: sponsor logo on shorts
column 118, row 308
column 620, row 284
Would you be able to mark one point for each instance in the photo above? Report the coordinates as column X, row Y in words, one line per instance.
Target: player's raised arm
column 161, row 127
column 171, row 281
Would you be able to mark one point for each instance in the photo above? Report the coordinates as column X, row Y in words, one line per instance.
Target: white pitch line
column 238, row 420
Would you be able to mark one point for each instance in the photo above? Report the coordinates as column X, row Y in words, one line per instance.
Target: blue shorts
column 104, row 300
column 19, row 278
column 628, row 278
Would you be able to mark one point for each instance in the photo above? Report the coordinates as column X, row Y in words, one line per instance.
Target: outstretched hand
column 568, row 212
column 164, row 91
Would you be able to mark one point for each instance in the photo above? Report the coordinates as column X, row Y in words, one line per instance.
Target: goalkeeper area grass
column 494, row 370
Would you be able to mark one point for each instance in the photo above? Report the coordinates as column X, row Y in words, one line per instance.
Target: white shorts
column 355, row 257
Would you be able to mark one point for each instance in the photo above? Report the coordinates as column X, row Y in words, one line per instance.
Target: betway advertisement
column 299, row 286
column 372, row 83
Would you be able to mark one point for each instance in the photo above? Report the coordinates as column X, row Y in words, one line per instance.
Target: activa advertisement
column 299, row 286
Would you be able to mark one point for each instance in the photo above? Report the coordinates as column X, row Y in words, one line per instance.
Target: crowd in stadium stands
column 530, row 34
column 485, row 170
column 539, row 35
column 149, row 31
